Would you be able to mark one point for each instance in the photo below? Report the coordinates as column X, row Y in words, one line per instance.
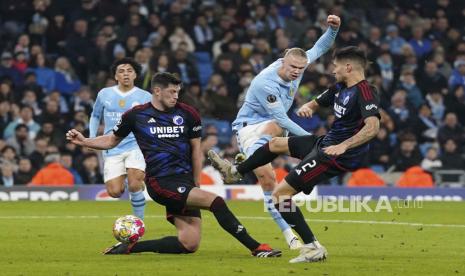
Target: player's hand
column 75, row 137
column 335, row 150
column 334, row 21
column 305, row 111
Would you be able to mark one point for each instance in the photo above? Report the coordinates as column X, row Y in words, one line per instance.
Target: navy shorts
column 315, row 168
column 171, row 192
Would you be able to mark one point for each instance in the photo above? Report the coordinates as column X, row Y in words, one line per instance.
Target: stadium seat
column 204, row 66
column 365, row 177
column 415, row 177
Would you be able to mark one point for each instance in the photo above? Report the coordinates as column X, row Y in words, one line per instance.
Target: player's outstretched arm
column 99, row 143
column 326, row 41
column 368, row 131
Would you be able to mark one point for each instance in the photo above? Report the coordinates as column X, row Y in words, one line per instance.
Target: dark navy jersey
column 351, row 106
column 163, row 137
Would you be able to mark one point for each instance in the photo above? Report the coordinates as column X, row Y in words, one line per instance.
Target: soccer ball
column 128, row 229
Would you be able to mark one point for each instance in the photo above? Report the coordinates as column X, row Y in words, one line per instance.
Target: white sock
column 289, row 235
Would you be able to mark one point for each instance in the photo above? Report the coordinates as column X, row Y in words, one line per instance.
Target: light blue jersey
column 270, row 98
column 111, row 103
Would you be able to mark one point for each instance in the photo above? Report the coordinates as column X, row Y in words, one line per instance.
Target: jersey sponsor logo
column 346, row 100
column 197, row 128
column 371, row 106
column 178, row 120
column 151, row 120
column 167, row 131
column 339, row 110
column 306, row 166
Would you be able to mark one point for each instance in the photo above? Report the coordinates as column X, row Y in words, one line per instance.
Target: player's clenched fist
column 305, row 111
column 75, row 136
column 333, row 21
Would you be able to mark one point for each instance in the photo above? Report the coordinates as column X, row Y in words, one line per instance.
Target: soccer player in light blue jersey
column 125, row 160
column 264, row 113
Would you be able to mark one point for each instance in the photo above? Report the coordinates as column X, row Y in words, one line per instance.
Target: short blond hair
column 297, row 52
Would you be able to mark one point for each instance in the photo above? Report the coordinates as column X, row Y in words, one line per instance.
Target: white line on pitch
column 415, row 224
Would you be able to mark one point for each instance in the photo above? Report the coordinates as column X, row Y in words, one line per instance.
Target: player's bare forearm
column 102, row 142
column 99, row 143
column 196, row 160
column 369, row 130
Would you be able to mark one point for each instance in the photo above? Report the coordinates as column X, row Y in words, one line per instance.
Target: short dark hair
column 353, row 53
column 164, row 79
column 136, row 66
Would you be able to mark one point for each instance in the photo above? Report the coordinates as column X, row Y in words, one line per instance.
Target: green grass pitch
column 66, row 238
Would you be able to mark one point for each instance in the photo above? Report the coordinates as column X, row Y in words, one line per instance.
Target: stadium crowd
column 56, row 55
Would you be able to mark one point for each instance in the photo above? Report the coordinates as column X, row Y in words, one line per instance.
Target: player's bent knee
column 114, row 192
column 190, row 244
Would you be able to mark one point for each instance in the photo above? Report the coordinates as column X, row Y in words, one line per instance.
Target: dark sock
column 260, row 157
column 170, row 245
column 229, row 222
column 296, row 219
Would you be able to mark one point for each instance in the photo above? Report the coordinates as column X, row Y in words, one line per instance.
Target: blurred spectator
column 30, row 99
column 78, row 48
column 420, row 44
column 185, row 67
column 6, row 91
column 7, row 176
column 436, row 102
column 66, row 160
column 407, row 154
column 53, row 174
column 380, row 149
column 425, row 127
column 180, row 36
column 454, row 102
column 45, row 75
column 451, row 130
column 458, row 74
column 400, row 113
column 209, row 141
column 9, row 155
column 21, row 141
column 52, row 135
column 5, row 116
column 38, row 155
column 451, row 158
column 203, row 35
column 431, row 161
column 408, row 83
column 431, row 79
column 66, row 80
column 7, row 70
column 220, row 101
column 90, row 171
column 25, row 117
column 25, row 171
column 394, row 40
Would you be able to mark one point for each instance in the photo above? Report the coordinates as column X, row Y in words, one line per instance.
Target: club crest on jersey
column 346, row 100
column 122, row 103
column 271, row 98
column 178, row 120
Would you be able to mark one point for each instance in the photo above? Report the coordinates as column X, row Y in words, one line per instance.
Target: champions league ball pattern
column 128, row 229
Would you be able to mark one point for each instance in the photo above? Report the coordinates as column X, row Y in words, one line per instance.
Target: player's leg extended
column 206, row 200
column 136, row 191
column 135, row 166
column 262, row 156
column 114, row 173
column 267, row 179
column 187, row 241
